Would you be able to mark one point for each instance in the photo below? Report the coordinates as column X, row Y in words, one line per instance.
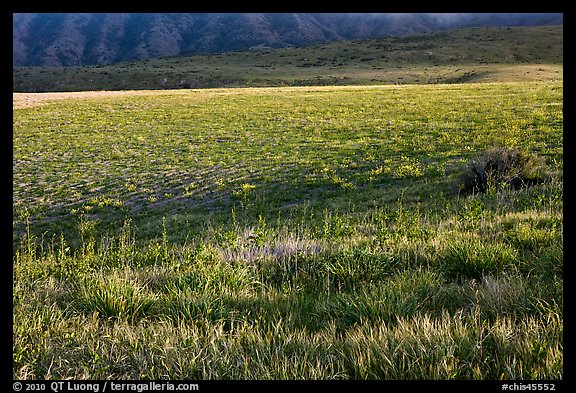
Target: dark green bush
column 502, row 166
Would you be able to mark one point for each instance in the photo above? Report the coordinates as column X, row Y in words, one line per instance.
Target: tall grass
column 483, row 304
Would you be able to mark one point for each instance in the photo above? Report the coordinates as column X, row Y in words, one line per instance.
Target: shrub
column 502, row 166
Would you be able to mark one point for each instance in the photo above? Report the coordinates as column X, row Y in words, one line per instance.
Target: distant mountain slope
column 478, row 54
column 98, row 39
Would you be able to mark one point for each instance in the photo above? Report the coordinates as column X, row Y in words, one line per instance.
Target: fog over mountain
column 97, row 38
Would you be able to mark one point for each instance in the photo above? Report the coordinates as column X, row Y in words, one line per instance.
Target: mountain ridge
column 82, row 39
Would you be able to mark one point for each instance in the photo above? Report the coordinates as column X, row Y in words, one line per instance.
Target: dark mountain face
column 89, row 39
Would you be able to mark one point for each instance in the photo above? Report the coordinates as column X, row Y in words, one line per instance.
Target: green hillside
column 466, row 55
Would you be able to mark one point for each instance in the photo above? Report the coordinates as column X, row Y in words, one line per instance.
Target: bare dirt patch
column 27, row 100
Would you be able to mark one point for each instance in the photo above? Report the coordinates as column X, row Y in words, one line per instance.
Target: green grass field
column 286, row 233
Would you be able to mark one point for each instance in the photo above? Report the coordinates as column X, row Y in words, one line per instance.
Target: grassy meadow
column 286, row 233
